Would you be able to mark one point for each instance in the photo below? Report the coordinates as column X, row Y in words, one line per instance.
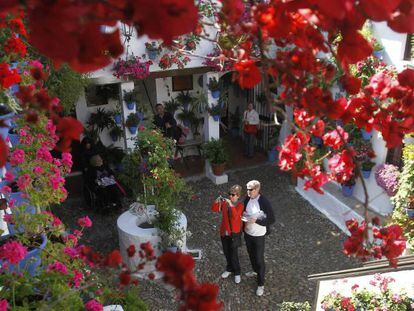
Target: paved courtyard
column 302, row 242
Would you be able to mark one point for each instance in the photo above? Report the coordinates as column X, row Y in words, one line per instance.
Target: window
column 97, row 95
column 409, row 47
column 182, row 83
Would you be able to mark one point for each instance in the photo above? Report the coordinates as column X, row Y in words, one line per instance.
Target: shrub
column 294, row 306
column 132, row 120
column 386, row 176
column 215, row 151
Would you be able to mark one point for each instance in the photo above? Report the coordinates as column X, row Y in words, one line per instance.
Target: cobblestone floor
column 302, row 242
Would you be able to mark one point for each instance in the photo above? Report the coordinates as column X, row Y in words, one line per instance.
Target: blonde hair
column 236, row 189
column 253, row 184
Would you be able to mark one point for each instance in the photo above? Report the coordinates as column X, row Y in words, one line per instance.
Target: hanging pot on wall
column 130, row 105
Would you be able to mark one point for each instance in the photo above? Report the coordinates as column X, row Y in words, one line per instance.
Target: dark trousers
column 232, row 255
column 255, row 248
column 249, row 144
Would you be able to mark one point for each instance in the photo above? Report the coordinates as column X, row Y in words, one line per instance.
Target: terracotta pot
column 218, row 169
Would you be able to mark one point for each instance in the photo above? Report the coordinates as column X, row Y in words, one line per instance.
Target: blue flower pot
column 152, row 54
column 130, row 105
column 14, row 88
column 114, row 137
column 216, row 118
column 31, row 262
column 118, row 118
column 366, row 135
column 186, row 123
column 410, row 213
column 215, row 94
column 378, row 54
column 366, row 174
column 172, row 249
column 272, row 155
column 347, row 191
column 14, row 139
column 4, row 130
column 133, row 129
column 140, row 115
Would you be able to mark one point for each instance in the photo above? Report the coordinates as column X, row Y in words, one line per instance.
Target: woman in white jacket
column 251, row 123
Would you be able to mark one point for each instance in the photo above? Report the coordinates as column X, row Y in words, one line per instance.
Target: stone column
column 211, row 129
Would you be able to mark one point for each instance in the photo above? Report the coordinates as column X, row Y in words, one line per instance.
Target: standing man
column 258, row 216
column 251, row 123
column 166, row 123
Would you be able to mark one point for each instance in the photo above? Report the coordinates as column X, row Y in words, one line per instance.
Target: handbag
column 235, row 237
column 250, row 129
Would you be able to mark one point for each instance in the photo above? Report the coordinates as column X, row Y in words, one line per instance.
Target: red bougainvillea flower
column 13, row 252
column 402, row 20
column 353, row 48
column 406, row 78
column 181, row 16
column 341, row 166
column 114, row 259
column 68, row 129
column 4, row 152
column 203, row 297
column 8, row 77
column 232, row 10
column 354, row 245
column 247, row 74
column 124, row 278
column 318, row 128
column 317, row 179
column 393, row 243
column 131, row 250
column 15, row 47
column 177, row 268
column 335, row 138
column 380, row 10
column 351, row 84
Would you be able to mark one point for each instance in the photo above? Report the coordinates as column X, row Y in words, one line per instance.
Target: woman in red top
column 230, row 209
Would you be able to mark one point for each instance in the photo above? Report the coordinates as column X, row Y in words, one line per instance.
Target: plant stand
column 131, row 234
column 218, row 180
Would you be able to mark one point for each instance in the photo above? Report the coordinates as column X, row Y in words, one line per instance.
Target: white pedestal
column 218, row 180
column 130, row 234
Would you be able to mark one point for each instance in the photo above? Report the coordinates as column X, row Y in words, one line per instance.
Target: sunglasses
column 251, row 189
column 232, row 194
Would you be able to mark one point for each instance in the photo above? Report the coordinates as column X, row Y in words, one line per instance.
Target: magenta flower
column 17, row 157
column 58, row 267
column 8, row 218
column 44, row 154
column 67, row 159
column 77, row 278
column 4, row 305
column 56, row 181
column 13, row 252
column 24, row 181
column 38, row 170
column 85, row 222
column 93, row 305
column 9, row 177
column 50, row 127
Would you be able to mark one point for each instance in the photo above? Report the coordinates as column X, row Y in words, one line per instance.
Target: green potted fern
column 132, row 122
column 216, row 153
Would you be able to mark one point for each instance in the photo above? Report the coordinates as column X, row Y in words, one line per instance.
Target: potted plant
column 365, row 134
column 131, row 98
column 348, row 187
column 378, row 48
column 132, row 122
column 366, row 168
column 171, row 106
column 217, row 154
column 134, row 67
column 152, row 49
column 215, row 111
column 214, row 87
column 386, row 176
column 116, row 133
column 185, row 99
column 272, row 145
column 5, row 117
column 100, row 120
column 410, row 207
column 117, row 113
column 186, row 116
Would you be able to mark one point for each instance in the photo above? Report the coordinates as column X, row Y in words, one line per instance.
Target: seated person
column 102, row 180
column 166, row 123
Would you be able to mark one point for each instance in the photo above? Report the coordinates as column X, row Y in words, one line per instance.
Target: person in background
column 166, row 123
column 257, row 217
column 230, row 230
column 251, row 123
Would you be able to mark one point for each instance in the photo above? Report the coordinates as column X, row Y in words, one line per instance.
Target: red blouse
column 236, row 213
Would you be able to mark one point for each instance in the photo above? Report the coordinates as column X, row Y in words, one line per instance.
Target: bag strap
column 229, row 219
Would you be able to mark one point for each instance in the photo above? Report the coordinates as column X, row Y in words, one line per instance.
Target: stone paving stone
column 302, row 242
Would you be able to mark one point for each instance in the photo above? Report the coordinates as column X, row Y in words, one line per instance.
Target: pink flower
column 38, row 170
column 9, row 177
column 67, row 159
column 4, row 305
column 58, row 267
column 56, row 181
column 6, row 189
column 17, row 157
column 72, row 252
column 13, row 252
column 44, row 154
column 24, row 181
column 36, row 64
column 8, row 218
column 77, row 278
column 85, row 222
column 22, row 132
column 93, row 305
column 50, row 127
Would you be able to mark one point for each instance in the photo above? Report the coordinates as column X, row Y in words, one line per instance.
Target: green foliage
column 294, row 306
column 367, row 165
column 171, row 106
column 404, row 192
column 67, row 85
column 213, row 84
column 129, row 299
column 132, row 120
column 116, row 131
column 113, row 155
column 215, row 151
column 100, row 120
column 216, row 110
column 131, row 96
column 184, row 98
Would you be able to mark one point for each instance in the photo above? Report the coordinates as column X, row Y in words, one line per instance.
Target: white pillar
column 212, row 129
column 127, row 86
